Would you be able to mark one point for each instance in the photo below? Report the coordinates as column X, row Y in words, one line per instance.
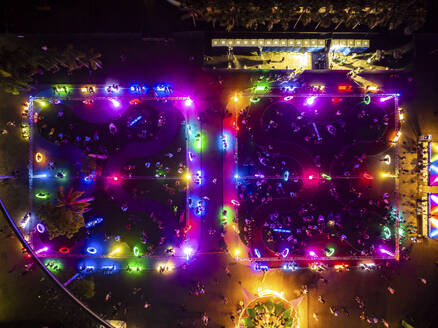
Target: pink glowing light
column 235, row 202
column 385, row 251
column 383, row 99
column 41, row 250
column 312, row 253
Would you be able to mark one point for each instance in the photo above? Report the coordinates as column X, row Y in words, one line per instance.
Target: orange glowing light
column 39, row 157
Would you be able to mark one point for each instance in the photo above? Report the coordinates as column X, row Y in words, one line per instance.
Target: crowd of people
column 348, row 205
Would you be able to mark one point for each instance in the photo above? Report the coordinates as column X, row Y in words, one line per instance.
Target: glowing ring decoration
column 64, row 250
column 368, row 176
column 330, row 251
column 287, row 98
column 42, row 195
column 235, row 202
column 367, row 99
column 39, row 157
column 136, row 251
column 386, row 233
column 257, row 253
column 254, row 100
column 91, row 250
column 40, row 227
column 285, row 252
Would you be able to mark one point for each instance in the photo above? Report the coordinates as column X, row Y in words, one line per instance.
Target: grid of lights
column 335, row 45
column 268, row 42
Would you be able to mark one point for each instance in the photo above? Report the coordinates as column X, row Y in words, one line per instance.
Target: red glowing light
column 64, row 250
column 336, row 100
column 368, row 176
column 344, row 87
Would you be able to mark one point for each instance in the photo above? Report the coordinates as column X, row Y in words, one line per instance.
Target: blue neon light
column 257, row 253
column 290, row 267
column 91, row 250
column 434, row 168
column 92, row 223
column 281, row 230
column 138, row 118
column 286, row 175
column 260, row 267
column 163, row 89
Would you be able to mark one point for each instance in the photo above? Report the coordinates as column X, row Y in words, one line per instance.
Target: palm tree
column 73, row 201
column 66, row 217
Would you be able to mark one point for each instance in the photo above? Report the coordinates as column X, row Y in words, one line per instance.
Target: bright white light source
column 115, row 103
column 310, row 100
column 188, row 102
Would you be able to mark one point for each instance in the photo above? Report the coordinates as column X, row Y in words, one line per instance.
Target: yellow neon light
column 269, row 292
column 115, row 251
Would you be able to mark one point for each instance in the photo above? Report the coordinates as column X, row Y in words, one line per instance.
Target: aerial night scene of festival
column 223, row 164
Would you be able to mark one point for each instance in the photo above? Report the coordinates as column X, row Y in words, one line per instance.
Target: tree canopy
column 286, row 14
column 83, row 288
column 23, row 61
column 66, row 217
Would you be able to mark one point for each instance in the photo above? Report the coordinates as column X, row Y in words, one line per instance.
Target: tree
column 66, row 217
column 269, row 313
column 255, row 14
column 83, row 288
column 22, row 61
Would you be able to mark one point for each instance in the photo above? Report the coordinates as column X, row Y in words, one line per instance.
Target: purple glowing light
column 40, row 228
column 285, row 252
column 383, row 99
column 41, row 250
column 385, row 251
column 287, row 98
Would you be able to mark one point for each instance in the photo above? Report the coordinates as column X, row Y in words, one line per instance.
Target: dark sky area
column 147, row 17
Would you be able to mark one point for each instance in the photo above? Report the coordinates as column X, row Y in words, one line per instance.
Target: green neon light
column 54, row 265
column 62, row 89
column 262, row 87
column 136, row 251
column 401, row 232
column 226, row 215
column 330, row 251
column 135, row 268
column 200, row 142
column 42, row 102
column 386, row 233
column 254, row 100
column 366, row 99
column 42, row 195
column 326, row 176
